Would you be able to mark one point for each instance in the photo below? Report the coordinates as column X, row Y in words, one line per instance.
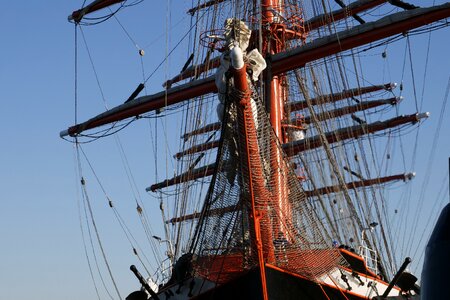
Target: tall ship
column 271, row 152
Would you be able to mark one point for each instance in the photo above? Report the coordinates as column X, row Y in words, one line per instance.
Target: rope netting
column 251, row 165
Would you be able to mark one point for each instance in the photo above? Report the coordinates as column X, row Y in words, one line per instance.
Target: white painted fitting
column 410, row 176
column 392, row 86
column 237, row 58
column 64, row 133
column 397, row 100
column 423, row 115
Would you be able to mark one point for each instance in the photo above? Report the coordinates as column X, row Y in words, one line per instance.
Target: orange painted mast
column 274, row 91
column 274, row 35
column 248, row 138
column 275, row 99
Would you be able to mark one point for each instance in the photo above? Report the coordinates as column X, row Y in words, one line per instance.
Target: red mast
column 248, row 138
column 275, row 99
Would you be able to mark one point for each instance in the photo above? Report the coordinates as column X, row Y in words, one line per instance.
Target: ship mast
column 275, row 98
column 272, row 33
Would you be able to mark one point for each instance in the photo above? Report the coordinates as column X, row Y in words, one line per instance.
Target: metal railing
column 370, row 257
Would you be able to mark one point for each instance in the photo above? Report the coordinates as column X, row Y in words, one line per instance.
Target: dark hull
column 435, row 274
column 280, row 286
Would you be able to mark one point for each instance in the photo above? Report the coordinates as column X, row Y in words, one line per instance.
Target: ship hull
column 281, row 285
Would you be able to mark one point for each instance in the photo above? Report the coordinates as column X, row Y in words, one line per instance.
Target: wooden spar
column 310, row 142
column 353, row 172
column 147, row 103
column 282, row 62
column 355, row 16
column 204, row 5
column 94, row 6
column 351, row 109
column 193, row 71
column 307, row 144
column 360, row 35
column 332, row 137
column 201, row 172
column 351, row 9
column 312, row 24
column 342, row 134
column 320, row 191
column 198, row 148
column 357, row 184
column 331, row 114
column 196, row 215
column 302, row 145
column 204, row 129
column 299, row 105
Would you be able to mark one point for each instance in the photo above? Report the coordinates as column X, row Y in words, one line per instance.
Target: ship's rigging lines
column 306, row 120
column 313, row 142
column 299, row 105
column 431, row 159
column 312, row 193
column 178, row 95
column 312, row 24
column 79, row 15
column 280, row 63
column 294, row 106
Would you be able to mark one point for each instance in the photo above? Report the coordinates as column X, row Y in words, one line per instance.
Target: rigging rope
column 77, row 169
column 92, row 220
column 430, row 162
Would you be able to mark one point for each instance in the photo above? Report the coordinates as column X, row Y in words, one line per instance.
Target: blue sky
column 42, row 255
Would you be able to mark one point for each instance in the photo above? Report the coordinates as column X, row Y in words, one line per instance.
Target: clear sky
column 41, row 250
